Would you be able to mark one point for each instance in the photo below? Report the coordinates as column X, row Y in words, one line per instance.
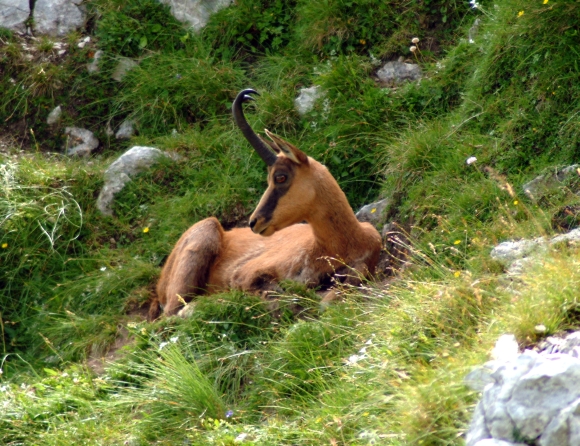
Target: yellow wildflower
column 363, row 41
column 457, row 274
column 373, row 210
column 4, row 245
column 516, row 202
column 545, row 1
column 146, row 230
column 457, row 242
column 521, row 13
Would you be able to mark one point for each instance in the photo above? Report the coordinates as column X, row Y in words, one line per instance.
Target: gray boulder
column 13, row 14
column 80, row 142
column 394, row 73
column 305, row 101
column 372, row 213
column 57, row 17
column 518, row 255
column 135, row 160
column 126, row 129
column 54, row 116
column 535, row 395
column 124, row 65
column 195, row 13
column 93, row 66
column 550, row 181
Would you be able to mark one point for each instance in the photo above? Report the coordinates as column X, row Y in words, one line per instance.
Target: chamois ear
column 271, row 144
column 289, row 150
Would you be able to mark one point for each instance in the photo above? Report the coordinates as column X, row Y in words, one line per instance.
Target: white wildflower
column 163, row 344
column 174, row 339
column 104, row 268
column 471, row 160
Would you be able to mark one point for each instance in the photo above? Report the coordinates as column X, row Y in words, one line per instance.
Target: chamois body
column 277, row 246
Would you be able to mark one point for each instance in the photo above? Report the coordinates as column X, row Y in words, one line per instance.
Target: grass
column 385, row 365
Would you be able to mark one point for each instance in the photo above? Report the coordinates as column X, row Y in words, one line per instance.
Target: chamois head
column 291, row 190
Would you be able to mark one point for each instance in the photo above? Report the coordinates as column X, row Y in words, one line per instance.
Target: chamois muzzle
column 256, row 142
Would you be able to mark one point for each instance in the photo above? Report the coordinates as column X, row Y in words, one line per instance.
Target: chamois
column 277, row 245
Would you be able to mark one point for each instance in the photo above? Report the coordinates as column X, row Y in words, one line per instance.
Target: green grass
column 385, row 365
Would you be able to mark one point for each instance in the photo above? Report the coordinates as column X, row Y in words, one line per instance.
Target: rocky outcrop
column 306, row 99
column 133, row 161
column 532, row 397
column 515, row 255
column 394, row 73
column 80, row 142
column 57, row 17
column 13, row 14
column 548, row 182
column 372, row 213
column 196, row 13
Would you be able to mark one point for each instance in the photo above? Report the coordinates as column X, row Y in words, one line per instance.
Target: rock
column 473, row 31
column 54, row 115
column 83, row 42
column 394, row 73
column 196, row 13
column 477, row 429
column 508, row 252
column 506, row 348
column 13, row 14
column 564, row 429
column 494, row 442
column 372, row 213
column 84, row 141
column 135, row 160
column 543, row 392
column 57, row 17
column 126, row 130
column 519, row 255
column 548, row 182
column 124, row 65
column 93, row 67
column 535, row 396
column 305, row 101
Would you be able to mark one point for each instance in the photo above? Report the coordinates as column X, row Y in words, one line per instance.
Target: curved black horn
column 264, row 151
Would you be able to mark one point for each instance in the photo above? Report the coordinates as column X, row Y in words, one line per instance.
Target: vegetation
column 80, row 364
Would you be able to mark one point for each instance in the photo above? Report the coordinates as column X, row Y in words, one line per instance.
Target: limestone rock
column 536, row 395
column 57, row 17
column 196, row 13
column 13, row 14
column 83, row 141
column 124, row 65
column 135, row 160
column 93, row 66
column 518, row 255
column 543, row 392
column 545, row 183
column 305, row 101
column 54, row 116
column 372, row 213
column 394, row 73
column 126, row 130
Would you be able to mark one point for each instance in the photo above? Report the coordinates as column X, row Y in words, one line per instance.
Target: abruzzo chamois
column 277, row 245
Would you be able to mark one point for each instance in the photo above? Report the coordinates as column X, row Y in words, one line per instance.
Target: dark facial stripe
column 271, row 203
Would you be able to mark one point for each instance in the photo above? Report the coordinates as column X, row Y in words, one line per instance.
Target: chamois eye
column 280, row 178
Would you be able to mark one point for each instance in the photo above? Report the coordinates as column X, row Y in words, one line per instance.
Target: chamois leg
column 186, row 271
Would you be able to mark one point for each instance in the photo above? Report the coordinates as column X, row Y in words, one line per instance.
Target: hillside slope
column 385, row 365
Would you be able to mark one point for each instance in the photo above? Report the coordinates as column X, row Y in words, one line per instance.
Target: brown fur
column 207, row 259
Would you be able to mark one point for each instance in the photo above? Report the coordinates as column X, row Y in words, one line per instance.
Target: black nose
column 253, row 223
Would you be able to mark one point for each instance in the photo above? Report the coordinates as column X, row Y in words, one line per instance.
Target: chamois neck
column 333, row 222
